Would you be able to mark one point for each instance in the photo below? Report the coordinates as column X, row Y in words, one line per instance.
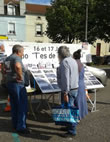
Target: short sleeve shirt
column 10, row 68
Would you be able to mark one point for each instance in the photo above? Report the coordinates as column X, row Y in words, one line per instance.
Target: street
column 94, row 128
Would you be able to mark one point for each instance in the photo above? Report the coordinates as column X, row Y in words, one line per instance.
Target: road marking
column 15, row 137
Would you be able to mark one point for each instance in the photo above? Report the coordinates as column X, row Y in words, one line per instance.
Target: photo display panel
column 91, row 82
column 46, row 79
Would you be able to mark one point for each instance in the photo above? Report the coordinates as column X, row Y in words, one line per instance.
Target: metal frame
column 46, row 99
column 93, row 103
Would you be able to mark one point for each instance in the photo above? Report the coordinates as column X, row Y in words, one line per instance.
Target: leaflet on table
column 91, row 82
column 46, row 80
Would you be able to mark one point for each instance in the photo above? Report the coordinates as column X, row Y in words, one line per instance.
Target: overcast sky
column 44, row 2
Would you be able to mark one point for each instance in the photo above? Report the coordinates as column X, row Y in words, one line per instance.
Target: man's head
column 63, row 52
column 18, row 49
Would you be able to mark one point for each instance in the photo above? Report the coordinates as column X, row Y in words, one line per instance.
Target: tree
column 66, row 20
column 102, row 10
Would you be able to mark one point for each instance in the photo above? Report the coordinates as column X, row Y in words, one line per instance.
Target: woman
column 81, row 98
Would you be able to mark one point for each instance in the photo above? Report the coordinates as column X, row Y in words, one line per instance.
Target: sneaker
column 25, row 131
column 64, row 129
column 66, row 135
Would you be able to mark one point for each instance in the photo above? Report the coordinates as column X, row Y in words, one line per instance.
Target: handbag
column 65, row 114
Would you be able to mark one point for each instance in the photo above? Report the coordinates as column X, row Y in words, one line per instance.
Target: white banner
column 46, row 53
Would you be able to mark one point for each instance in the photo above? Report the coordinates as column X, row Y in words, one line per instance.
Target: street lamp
column 86, row 23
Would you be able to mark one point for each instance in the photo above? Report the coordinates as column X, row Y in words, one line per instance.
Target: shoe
column 67, row 135
column 25, row 131
column 64, row 129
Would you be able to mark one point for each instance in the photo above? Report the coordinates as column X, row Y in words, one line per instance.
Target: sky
column 44, row 2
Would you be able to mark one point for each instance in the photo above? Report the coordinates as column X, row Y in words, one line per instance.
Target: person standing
column 67, row 78
column 15, row 73
column 81, row 98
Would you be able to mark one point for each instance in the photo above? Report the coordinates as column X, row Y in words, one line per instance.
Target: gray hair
column 63, row 52
column 17, row 48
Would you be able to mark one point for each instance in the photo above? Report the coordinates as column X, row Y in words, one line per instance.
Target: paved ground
column 94, row 128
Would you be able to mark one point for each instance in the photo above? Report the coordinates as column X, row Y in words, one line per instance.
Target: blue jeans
column 18, row 100
column 73, row 102
column 72, row 97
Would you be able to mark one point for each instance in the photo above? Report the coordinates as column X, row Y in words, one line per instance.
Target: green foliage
column 66, row 20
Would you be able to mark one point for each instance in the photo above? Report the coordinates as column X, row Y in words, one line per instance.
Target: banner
column 46, row 53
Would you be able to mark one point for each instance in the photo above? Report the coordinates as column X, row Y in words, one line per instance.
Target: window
column 39, row 29
column 38, row 18
column 11, row 10
column 11, row 28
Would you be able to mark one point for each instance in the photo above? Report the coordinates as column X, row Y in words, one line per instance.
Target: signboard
column 3, row 37
column 46, row 53
column 91, row 82
column 41, row 58
column 46, row 79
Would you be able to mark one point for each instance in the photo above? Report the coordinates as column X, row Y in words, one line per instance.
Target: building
column 20, row 21
column 100, row 48
column 36, row 26
column 12, row 19
column 36, row 23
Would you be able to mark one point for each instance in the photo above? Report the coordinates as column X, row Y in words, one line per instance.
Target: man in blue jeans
column 68, row 77
column 15, row 81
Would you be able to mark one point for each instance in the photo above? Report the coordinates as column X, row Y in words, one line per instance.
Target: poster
column 91, row 82
column 45, row 54
column 46, row 79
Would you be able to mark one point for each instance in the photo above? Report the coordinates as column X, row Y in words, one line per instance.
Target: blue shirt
column 68, row 75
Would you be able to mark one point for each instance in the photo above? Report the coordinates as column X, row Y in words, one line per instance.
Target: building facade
column 20, row 21
column 12, row 19
column 36, row 24
column 100, row 48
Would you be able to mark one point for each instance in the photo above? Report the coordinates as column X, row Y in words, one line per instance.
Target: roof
column 31, row 8
column 36, row 9
column 13, row 1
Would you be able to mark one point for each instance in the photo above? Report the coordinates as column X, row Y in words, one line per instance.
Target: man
column 15, row 84
column 67, row 77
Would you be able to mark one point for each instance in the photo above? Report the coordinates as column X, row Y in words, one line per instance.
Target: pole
column 86, row 23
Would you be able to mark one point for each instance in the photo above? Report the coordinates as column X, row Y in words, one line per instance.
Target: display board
column 46, row 53
column 46, row 79
column 91, row 82
column 38, row 56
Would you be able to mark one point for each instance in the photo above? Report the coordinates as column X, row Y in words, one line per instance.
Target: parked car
column 107, row 60
column 100, row 74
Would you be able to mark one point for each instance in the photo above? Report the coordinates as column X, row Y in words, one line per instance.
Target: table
column 46, row 98
column 30, row 92
column 93, row 103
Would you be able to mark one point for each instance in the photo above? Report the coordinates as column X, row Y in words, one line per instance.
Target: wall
column 1, row 6
column 31, row 21
column 19, row 27
column 104, row 48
